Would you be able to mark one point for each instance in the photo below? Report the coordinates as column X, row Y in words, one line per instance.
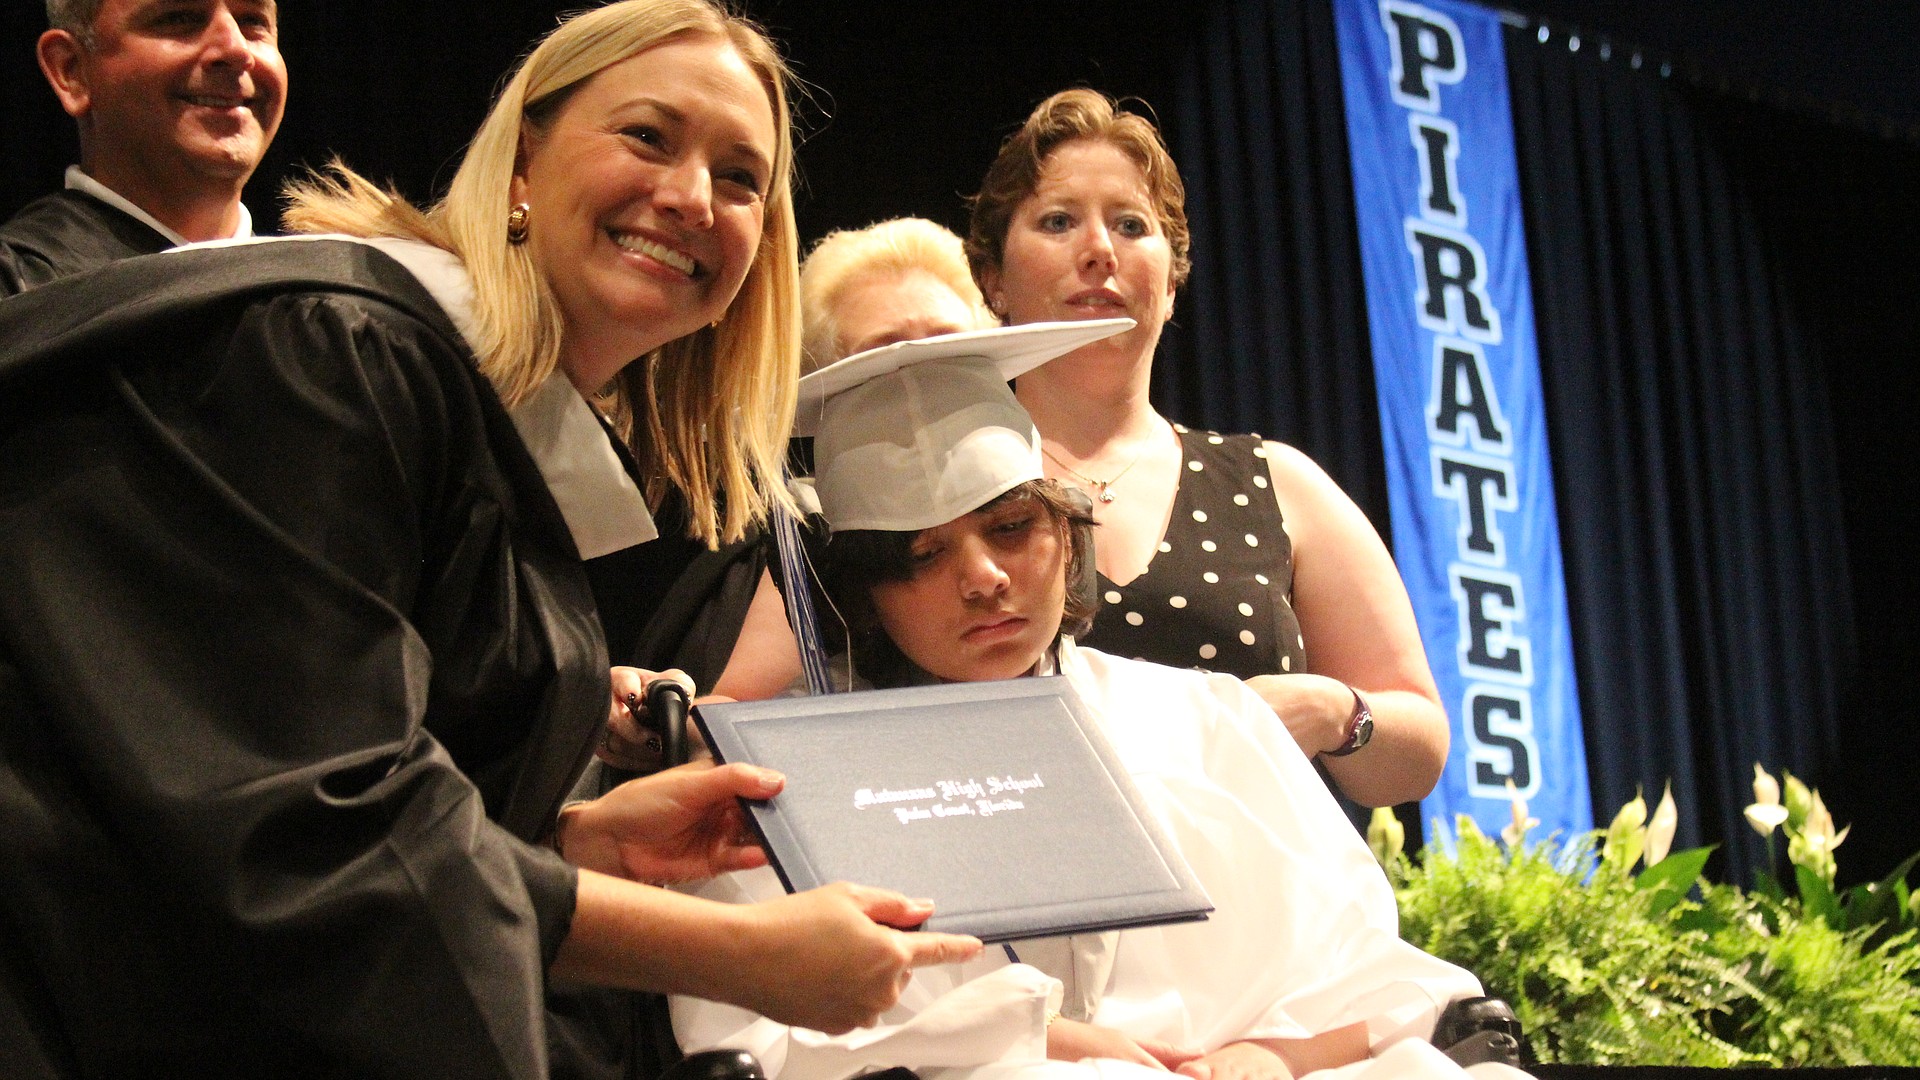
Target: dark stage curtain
column 1843, row 205
column 1270, row 334
column 1692, row 441
column 1688, row 421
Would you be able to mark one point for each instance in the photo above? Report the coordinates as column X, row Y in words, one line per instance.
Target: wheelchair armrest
column 1477, row 1029
column 716, row 1065
column 740, row 1065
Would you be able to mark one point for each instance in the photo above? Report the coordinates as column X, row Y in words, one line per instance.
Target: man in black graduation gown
column 297, row 661
column 175, row 104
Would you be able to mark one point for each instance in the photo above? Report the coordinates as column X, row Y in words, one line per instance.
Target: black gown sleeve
column 238, row 581
column 65, row 233
column 21, row 269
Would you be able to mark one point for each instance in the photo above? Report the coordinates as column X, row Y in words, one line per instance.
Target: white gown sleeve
column 1304, row 937
column 953, row 1016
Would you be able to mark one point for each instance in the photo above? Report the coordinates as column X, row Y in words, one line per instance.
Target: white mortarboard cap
column 917, row 433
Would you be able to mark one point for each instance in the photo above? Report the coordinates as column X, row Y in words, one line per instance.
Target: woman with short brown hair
column 1231, row 553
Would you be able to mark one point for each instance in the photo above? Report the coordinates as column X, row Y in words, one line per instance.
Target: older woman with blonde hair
column 298, row 655
column 897, row 280
column 1231, row 553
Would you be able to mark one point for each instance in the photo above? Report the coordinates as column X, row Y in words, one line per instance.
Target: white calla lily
column 1766, row 790
column 1515, row 833
column 1661, row 827
column 1386, row 836
column 1627, row 835
column 1766, row 817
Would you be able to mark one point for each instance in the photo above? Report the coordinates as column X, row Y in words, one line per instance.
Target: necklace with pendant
column 1105, row 493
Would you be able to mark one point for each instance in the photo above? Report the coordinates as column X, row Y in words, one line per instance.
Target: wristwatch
column 1359, row 727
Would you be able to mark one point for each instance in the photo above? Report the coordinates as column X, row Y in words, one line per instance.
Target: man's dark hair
column 74, row 16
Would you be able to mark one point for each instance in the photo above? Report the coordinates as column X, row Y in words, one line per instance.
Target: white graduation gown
column 1304, row 938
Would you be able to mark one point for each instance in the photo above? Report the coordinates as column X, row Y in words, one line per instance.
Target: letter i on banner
column 1443, row 251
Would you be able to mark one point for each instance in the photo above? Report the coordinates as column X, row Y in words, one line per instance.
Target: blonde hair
column 715, row 407
column 846, row 257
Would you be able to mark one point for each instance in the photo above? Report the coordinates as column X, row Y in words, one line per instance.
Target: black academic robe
column 297, row 661
column 69, row 232
column 668, row 603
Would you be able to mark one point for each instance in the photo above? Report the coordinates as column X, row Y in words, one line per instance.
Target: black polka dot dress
column 1217, row 594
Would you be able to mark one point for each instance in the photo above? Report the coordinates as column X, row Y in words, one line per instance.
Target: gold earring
column 518, row 220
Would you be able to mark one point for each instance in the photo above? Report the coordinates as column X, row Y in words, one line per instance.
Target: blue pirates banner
column 1443, row 251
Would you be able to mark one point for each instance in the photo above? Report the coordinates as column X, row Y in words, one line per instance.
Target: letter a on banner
column 1443, row 250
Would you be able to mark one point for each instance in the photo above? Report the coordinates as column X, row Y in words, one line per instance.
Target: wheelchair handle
column 666, row 715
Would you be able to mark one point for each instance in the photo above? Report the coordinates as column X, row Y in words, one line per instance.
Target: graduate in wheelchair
column 950, row 558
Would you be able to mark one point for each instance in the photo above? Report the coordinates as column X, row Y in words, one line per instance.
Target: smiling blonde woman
column 299, row 658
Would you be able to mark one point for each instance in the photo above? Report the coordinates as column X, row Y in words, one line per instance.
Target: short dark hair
column 1065, row 117
column 854, row 562
column 74, row 16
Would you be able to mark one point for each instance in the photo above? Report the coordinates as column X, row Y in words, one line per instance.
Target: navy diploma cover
column 1000, row 801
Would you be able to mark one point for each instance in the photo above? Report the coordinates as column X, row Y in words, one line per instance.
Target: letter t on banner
column 1475, row 531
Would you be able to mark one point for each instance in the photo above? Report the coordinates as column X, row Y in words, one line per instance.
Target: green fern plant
column 1665, row 968
column 1822, row 994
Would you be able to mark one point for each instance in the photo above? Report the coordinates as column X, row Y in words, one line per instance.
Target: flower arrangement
column 1606, row 966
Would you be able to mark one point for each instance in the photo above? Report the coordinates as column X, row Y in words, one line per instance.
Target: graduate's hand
column 1071, row 1040
column 829, row 958
column 625, row 743
column 678, row 825
column 1238, row 1061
